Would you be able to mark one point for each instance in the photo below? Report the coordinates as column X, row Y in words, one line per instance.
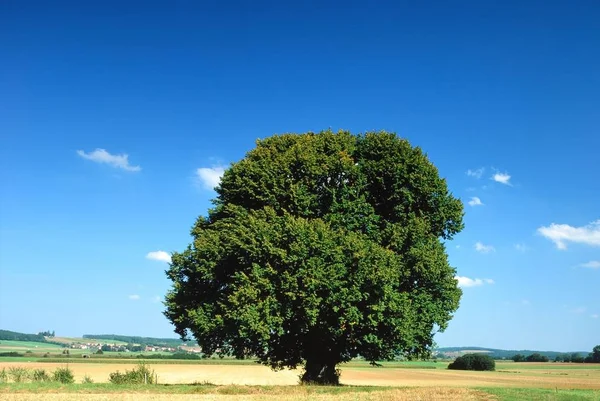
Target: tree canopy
column 473, row 361
column 320, row 247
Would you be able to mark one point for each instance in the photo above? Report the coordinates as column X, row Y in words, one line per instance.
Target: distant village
column 113, row 347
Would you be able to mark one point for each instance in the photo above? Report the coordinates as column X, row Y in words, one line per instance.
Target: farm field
column 518, row 375
column 81, row 340
column 18, row 346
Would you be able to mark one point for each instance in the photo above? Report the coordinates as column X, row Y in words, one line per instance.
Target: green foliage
column 40, row 375
column 595, row 355
column 577, row 358
column 63, row 375
column 18, row 374
column 141, row 374
column 87, row 380
column 320, row 247
column 473, row 362
column 16, row 336
column 99, row 352
column 536, row 357
column 11, row 354
column 3, row 376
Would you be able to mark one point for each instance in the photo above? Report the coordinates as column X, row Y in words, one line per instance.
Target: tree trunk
column 317, row 371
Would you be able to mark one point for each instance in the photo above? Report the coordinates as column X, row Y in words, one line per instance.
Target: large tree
column 321, row 247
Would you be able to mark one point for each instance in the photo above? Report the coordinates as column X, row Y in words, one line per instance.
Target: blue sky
column 115, row 120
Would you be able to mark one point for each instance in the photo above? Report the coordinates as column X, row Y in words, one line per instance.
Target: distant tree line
column 535, row 357
column 167, row 342
column 47, row 333
column 16, row 336
column 592, row 357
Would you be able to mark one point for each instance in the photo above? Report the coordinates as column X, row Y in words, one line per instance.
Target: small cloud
column 481, row 248
column 210, row 177
column 102, row 156
column 525, row 302
column 156, row 299
column 594, row 316
column 502, row 178
column 578, row 311
column 593, row 264
column 457, row 246
column 134, row 297
column 465, row 282
column 477, row 173
column 521, row 247
column 560, row 234
column 160, row 256
column 475, row 201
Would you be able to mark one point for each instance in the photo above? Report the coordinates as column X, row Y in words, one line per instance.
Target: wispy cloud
column 210, row 177
column 134, row 297
column 161, row 256
column 502, row 178
column 156, row 299
column 592, row 264
column 560, row 234
column 472, row 282
column 521, row 247
column 102, row 156
column 475, row 201
column 594, row 316
column 481, row 248
column 477, row 173
column 525, row 302
column 579, row 310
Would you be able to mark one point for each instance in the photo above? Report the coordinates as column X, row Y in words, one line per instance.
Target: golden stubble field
column 412, row 394
column 538, row 376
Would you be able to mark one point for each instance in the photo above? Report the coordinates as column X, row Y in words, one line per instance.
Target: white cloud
column 560, row 234
column 521, row 247
column 161, row 256
column 502, row 178
column 477, row 173
column 210, row 177
column 479, row 247
column 475, row 201
column 465, row 282
column 102, row 156
column 134, row 297
column 594, row 316
column 592, row 264
column 156, row 299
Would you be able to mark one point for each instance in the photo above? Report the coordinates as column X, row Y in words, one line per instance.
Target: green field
column 9, row 345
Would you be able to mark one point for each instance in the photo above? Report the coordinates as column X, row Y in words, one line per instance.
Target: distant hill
column 452, row 352
column 167, row 342
column 16, row 336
